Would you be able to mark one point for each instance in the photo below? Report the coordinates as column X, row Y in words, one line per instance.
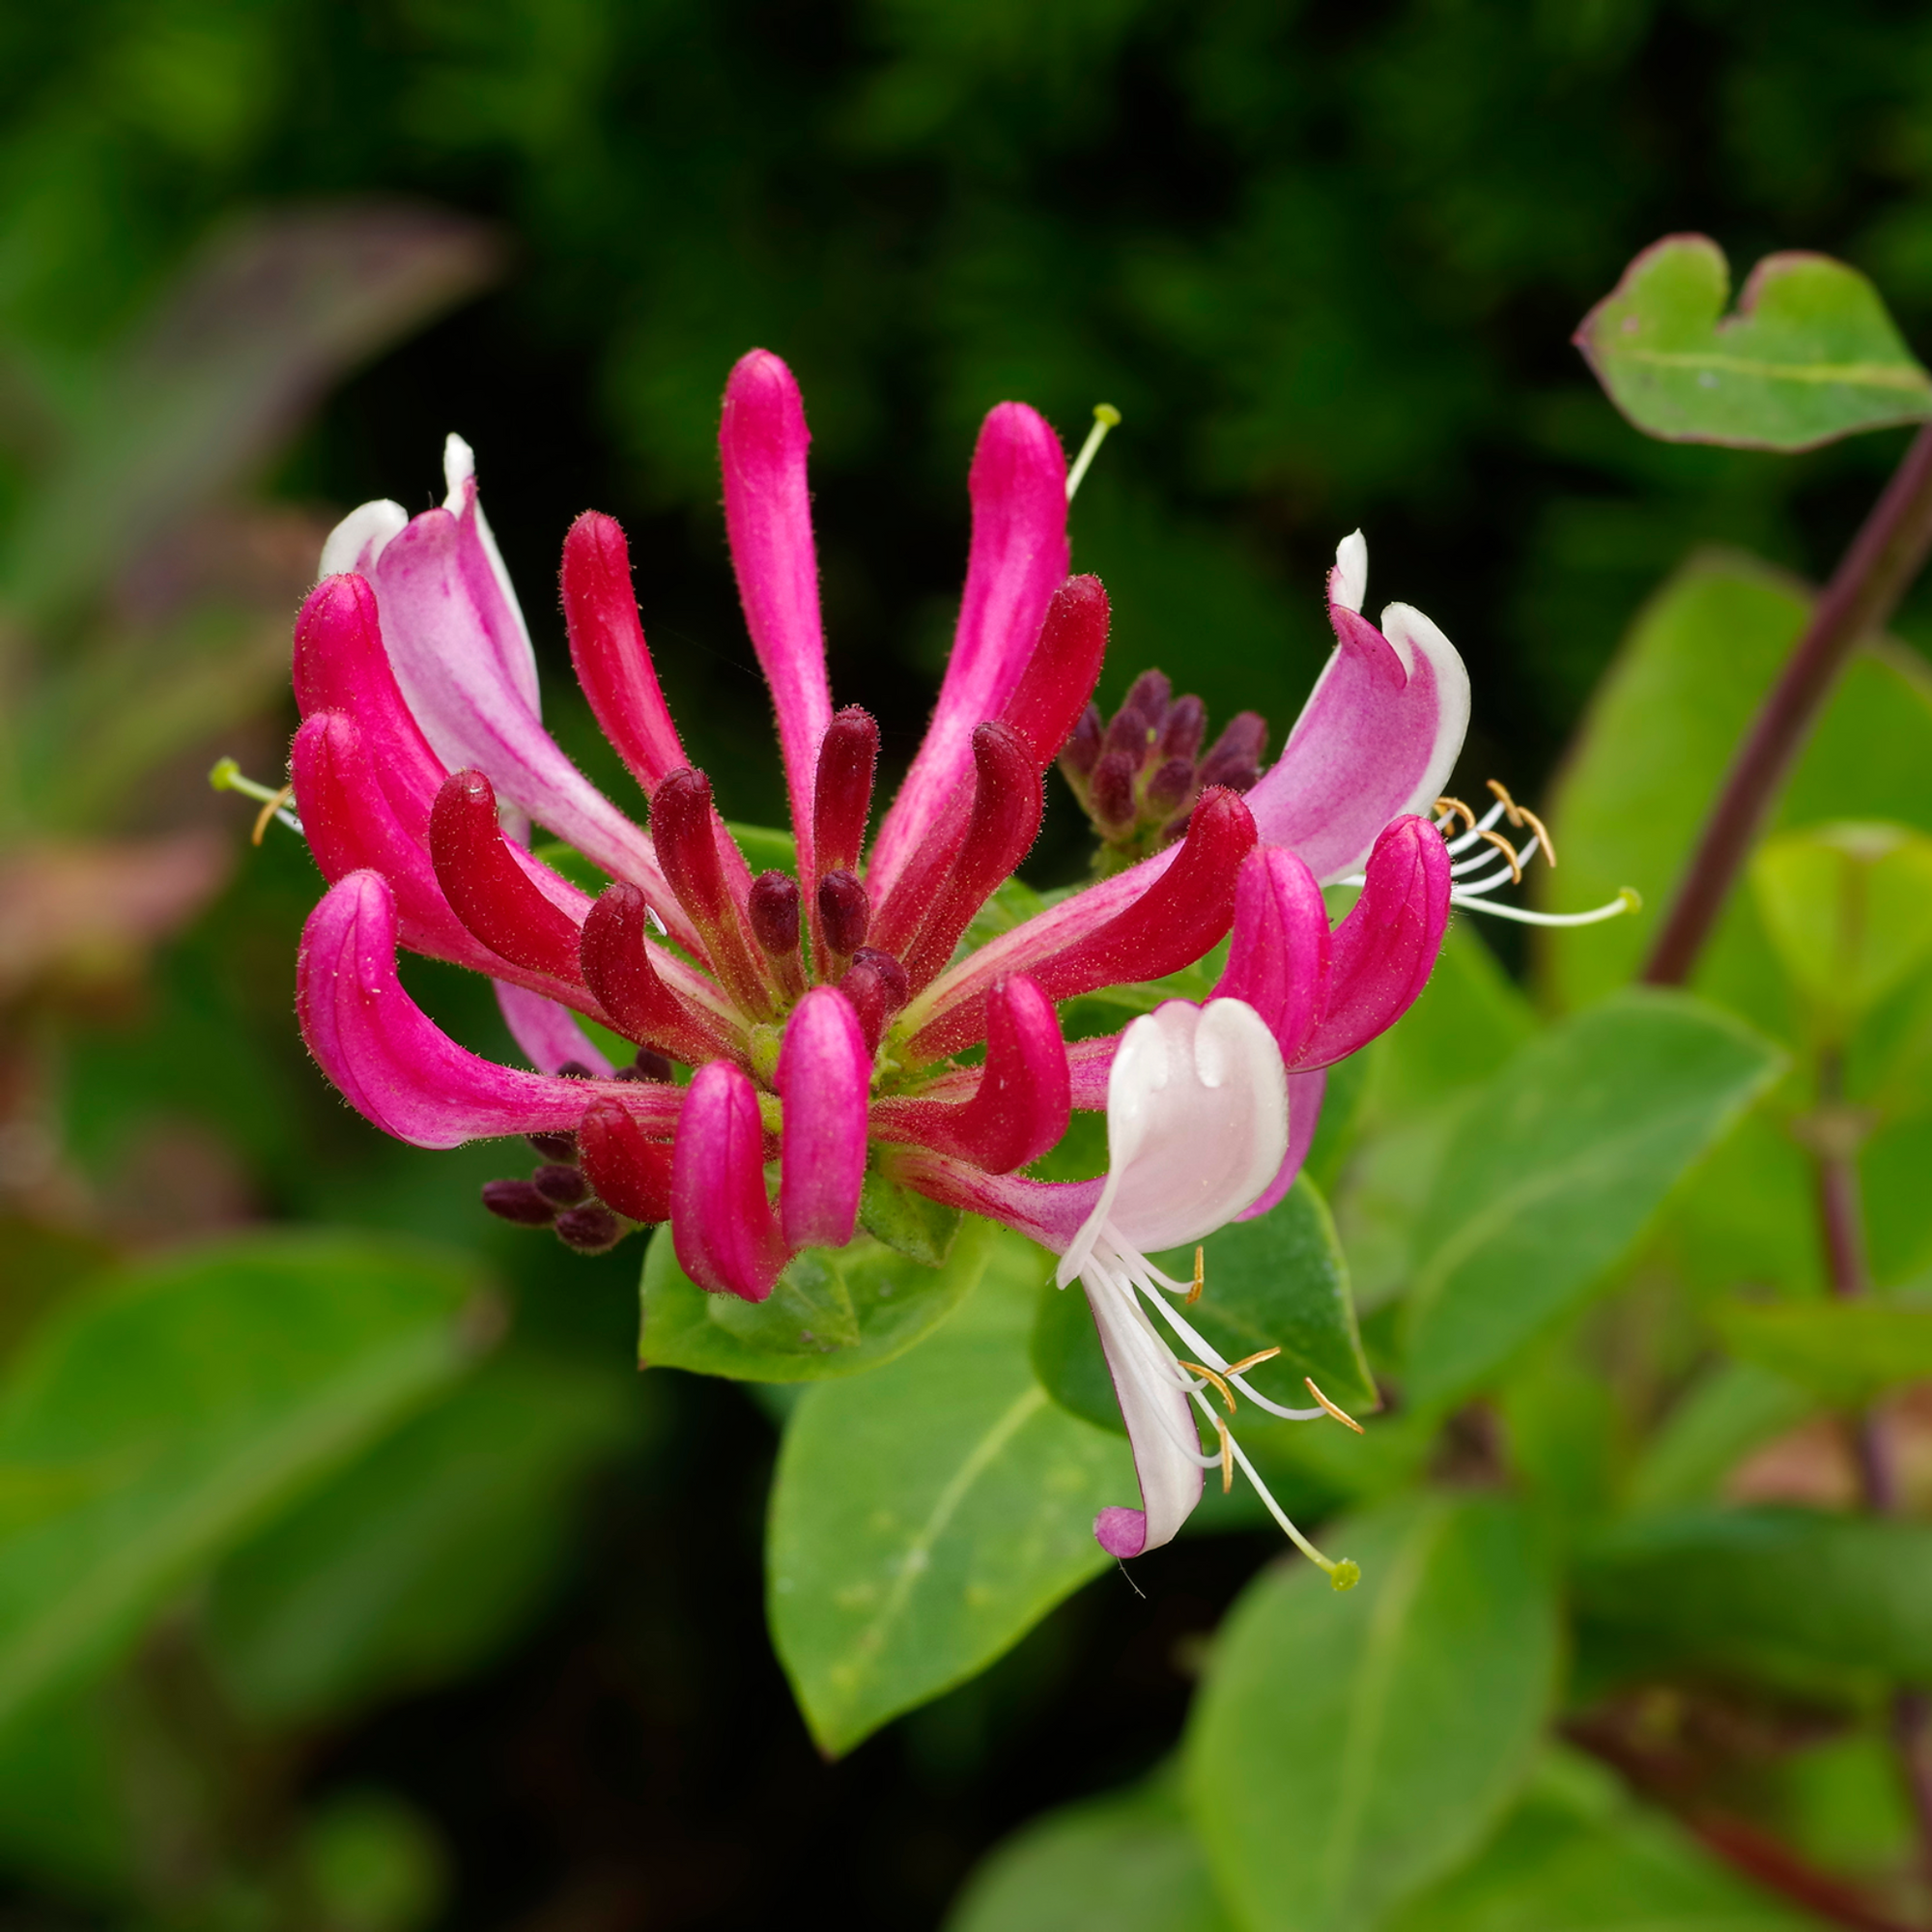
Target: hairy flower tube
column 843, row 1043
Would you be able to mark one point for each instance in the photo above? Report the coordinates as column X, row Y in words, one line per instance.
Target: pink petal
column 443, row 622
column 762, row 442
column 353, row 826
column 397, row 1068
column 1051, row 1212
column 1182, row 904
column 688, row 833
column 638, row 984
column 1018, row 487
column 1377, row 738
column 1278, row 962
column 629, row 1172
column 607, row 645
column 548, row 1033
column 341, row 666
column 1059, row 678
column 1304, row 1115
column 1023, row 1101
column 725, row 1234
column 848, row 759
column 1383, row 952
column 824, row 1075
column 488, row 890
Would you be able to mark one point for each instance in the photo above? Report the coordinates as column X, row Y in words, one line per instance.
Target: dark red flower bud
column 487, row 889
column 630, row 1173
column 516, row 1201
column 877, row 988
column 1150, row 695
column 773, row 911
column 554, row 1147
column 1082, row 748
column 845, row 913
column 1059, row 678
column 683, row 829
column 1170, row 788
column 1110, row 791
column 1187, row 726
column 590, row 1231
column 649, row 1066
column 1236, row 760
column 848, row 755
column 617, row 967
column 560, row 1185
column 1130, row 737
column 575, row 1069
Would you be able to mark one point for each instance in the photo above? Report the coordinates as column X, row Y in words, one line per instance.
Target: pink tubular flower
column 823, row 1014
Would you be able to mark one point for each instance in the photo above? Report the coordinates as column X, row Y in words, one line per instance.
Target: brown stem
column 1835, row 1156
column 1864, row 590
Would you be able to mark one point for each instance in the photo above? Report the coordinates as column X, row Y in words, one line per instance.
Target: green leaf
column 1277, row 1281
column 1846, row 1351
column 1559, row 1164
column 419, row 1560
column 1809, row 355
column 906, row 1220
column 1578, row 1857
column 1126, row 1863
column 1848, row 908
column 1791, row 1593
column 1349, row 1749
column 924, row 1519
column 1655, row 746
column 148, row 1426
column 1723, row 1416
column 833, row 1312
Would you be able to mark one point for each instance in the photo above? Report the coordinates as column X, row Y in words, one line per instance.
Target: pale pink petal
column 726, row 1236
column 1304, row 1116
column 762, row 442
column 547, row 1032
column 1018, row 561
column 823, row 1076
column 358, row 540
column 1050, row 1213
column 397, row 1068
column 1378, row 737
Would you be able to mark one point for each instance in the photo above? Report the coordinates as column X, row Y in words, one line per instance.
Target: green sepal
column 906, row 1220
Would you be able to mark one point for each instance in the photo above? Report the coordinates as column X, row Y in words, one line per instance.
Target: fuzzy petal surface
column 726, row 1236
column 824, row 1074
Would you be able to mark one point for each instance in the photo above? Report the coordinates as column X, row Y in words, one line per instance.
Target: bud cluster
column 1139, row 774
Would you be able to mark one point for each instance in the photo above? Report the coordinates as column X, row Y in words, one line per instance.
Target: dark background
column 1326, row 260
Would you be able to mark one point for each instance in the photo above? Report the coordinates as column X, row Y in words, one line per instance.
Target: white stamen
column 1105, row 417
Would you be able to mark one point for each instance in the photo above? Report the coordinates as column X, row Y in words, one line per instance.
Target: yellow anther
column 1209, row 1374
column 1508, row 851
column 1248, row 1362
column 1453, row 806
column 1512, row 811
column 1227, row 1457
column 1340, row 1415
column 268, row 810
column 1199, row 1276
column 1541, row 831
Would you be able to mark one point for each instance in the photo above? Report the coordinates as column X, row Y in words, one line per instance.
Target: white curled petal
column 1348, row 580
column 359, row 538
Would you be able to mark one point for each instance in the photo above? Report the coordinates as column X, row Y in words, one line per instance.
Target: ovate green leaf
column 1809, row 355
column 1558, row 1165
column 1127, row 1862
column 148, row 1426
column 1348, row 1751
column 833, row 1313
column 924, row 1518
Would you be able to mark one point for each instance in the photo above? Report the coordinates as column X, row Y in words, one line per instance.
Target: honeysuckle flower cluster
column 830, row 1017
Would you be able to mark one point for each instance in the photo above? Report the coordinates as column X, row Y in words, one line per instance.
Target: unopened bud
column 774, row 913
column 1083, row 748
column 650, row 1066
column 1235, row 761
column 1110, row 791
column 877, row 987
column 845, row 913
column 1187, row 726
column 561, row 1186
column 554, row 1147
column 1170, row 787
column 1150, row 695
column 847, row 756
column 575, row 1069
column 516, row 1201
column 590, row 1231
